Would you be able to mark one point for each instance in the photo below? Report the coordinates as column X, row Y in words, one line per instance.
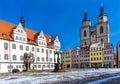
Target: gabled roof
column 6, row 29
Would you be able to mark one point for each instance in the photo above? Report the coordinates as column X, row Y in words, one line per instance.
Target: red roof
column 6, row 29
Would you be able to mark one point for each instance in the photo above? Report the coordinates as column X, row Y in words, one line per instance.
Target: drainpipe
column 10, row 55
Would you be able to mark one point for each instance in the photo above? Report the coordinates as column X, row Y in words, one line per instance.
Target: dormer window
column 42, row 37
column 19, row 34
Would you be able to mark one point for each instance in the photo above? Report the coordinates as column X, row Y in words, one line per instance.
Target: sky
column 62, row 18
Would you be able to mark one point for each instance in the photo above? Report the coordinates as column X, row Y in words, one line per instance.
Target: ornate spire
column 85, row 16
column 22, row 21
column 102, row 11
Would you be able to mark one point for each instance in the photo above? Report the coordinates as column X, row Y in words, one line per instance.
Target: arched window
column 85, row 42
column 38, row 58
column 101, row 29
column 101, row 40
column 14, row 57
column 85, row 33
column 21, row 47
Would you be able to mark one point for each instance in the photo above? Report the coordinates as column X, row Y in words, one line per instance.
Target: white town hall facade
column 16, row 40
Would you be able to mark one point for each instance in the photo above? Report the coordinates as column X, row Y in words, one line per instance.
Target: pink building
column 118, row 54
column 76, row 57
column 108, row 55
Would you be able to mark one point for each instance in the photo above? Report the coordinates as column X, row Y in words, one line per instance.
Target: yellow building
column 96, row 55
column 66, row 59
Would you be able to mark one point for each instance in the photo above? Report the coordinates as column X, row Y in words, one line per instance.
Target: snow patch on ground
column 103, row 80
column 51, row 77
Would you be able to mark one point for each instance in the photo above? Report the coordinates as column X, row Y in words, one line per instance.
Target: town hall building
column 17, row 41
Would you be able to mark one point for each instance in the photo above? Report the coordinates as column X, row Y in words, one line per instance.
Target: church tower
column 102, row 27
column 85, row 30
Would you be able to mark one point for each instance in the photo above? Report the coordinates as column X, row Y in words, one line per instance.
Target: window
column 110, row 57
column 21, row 47
column 97, row 53
column 42, row 50
column 34, row 66
column 110, row 51
column 84, row 33
column 39, row 66
column 85, row 43
column 104, row 52
column 6, row 57
column 21, row 58
column 43, row 66
column 13, row 46
column 18, row 30
column 23, row 39
column 50, row 59
column 38, row 58
column 105, row 58
column 42, row 59
column 46, row 58
column 97, row 58
column 21, row 31
column 14, row 57
column 20, row 38
column 5, row 45
column 33, row 49
column 47, row 53
column 91, row 49
column 100, row 58
column 47, row 66
column 37, row 49
column 16, row 37
column 101, row 29
column 50, row 51
column 51, row 66
column 27, row 48
column 91, row 59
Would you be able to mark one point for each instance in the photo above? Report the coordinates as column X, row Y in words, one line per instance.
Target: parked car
column 15, row 70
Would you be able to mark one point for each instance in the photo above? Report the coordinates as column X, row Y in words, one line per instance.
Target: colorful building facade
column 96, row 57
column 84, row 57
column 108, row 55
column 118, row 54
column 67, row 58
column 76, row 58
